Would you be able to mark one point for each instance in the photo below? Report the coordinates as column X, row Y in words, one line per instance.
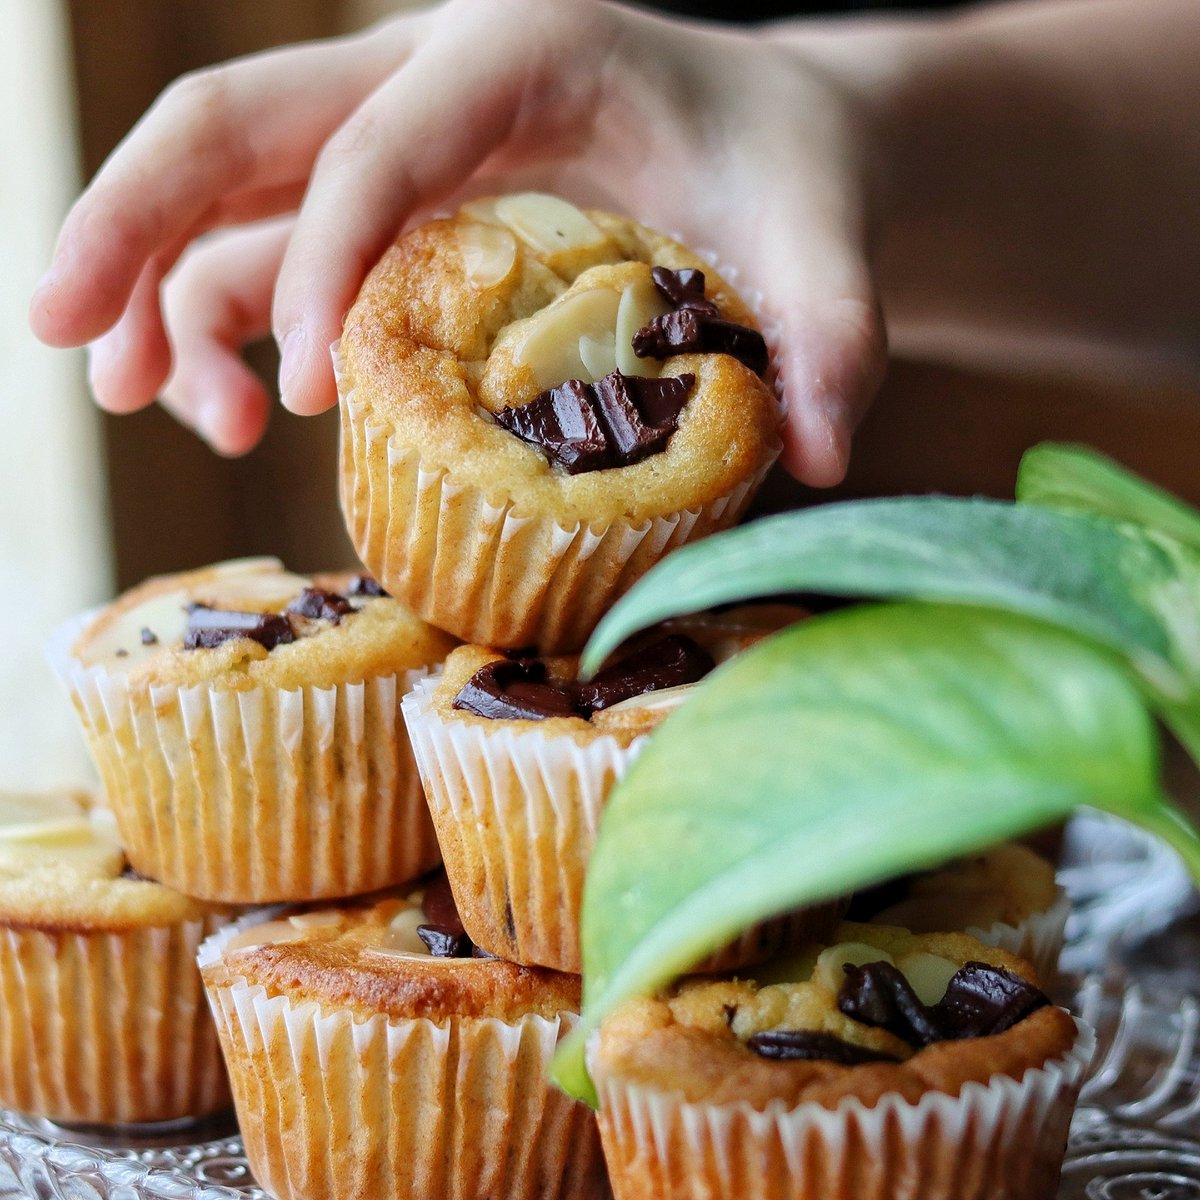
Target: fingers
column 251, row 127
column 419, row 136
column 833, row 346
column 217, row 300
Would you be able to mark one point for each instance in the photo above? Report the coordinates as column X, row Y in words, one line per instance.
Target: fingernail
column 291, row 356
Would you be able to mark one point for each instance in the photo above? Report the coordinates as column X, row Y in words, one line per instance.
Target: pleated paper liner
column 334, row 1108
column 261, row 795
column 516, row 815
column 108, row 1028
column 469, row 563
column 1038, row 938
column 1003, row 1140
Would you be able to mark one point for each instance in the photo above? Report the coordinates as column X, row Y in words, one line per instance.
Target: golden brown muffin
column 458, row 337
column 1005, row 896
column 516, row 800
column 245, row 721
column 919, row 1070
column 102, row 1015
column 365, row 1067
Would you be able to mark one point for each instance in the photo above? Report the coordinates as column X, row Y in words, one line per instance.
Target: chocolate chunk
column 562, row 422
column 364, row 585
column 879, row 995
column 438, row 905
column 319, row 605
column 791, row 1045
column 670, row 662
column 122, row 652
column 515, row 690
column 696, row 326
column 445, row 943
column 480, row 952
column 981, row 1000
column 210, row 627
column 683, row 289
column 149, row 637
column 593, row 426
column 639, row 415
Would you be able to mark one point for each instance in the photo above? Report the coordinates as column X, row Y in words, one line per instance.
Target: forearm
column 1038, row 187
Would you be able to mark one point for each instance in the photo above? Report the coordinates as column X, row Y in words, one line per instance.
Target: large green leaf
column 1079, row 479
column 1119, row 585
column 846, row 750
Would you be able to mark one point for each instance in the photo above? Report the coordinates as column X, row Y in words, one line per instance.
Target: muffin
column 102, row 1014
column 1006, row 896
column 916, row 1066
column 537, row 404
column 518, row 758
column 246, row 724
column 373, row 1055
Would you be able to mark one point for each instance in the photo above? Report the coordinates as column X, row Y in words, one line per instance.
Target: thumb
column 832, row 351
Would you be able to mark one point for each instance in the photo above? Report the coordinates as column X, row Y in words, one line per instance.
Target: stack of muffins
column 537, row 404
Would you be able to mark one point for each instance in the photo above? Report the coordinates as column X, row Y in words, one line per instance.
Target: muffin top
column 63, row 870
column 881, row 1011
column 648, row 679
column 249, row 622
column 1006, row 884
column 402, row 954
column 499, row 345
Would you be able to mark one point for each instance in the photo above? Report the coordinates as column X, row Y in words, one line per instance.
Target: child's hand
column 735, row 142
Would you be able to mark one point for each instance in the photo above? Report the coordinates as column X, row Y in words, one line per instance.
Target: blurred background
column 92, row 504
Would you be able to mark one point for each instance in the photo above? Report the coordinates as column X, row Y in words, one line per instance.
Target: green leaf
column 1118, row 585
column 843, row 751
column 1076, row 478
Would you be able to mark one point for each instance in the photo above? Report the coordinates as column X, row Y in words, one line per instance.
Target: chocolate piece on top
column 210, row 627
column 319, row 605
column 670, row 662
column 807, row 1045
column 592, row 426
column 148, row 636
column 684, row 289
column 445, row 943
column 562, row 422
column 696, row 326
column 437, row 903
column 508, row 690
column 982, row 1000
column 879, row 995
column 365, row 585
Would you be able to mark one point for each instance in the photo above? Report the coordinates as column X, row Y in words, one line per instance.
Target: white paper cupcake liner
column 334, row 1108
column 108, row 1028
column 1037, row 939
column 469, row 563
column 259, row 795
column 1003, row 1140
column 516, row 812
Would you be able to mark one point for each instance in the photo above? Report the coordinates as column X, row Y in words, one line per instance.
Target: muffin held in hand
column 374, row 1055
column 537, row 404
column 102, row 1015
column 894, row 1065
column 1005, row 896
column 518, row 757
column 246, row 724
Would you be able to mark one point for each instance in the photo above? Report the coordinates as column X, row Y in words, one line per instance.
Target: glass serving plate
column 1136, row 1133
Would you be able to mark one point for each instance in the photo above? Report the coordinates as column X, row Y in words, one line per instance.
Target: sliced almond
column 928, row 973
column 483, row 211
column 828, row 971
column 269, row 933
column 598, row 355
column 548, row 224
column 550, row 347
column 269, row 591
column 664, row 700
column 165, row 615
column 323, row 918
column 640, row 304
column 488, row 254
